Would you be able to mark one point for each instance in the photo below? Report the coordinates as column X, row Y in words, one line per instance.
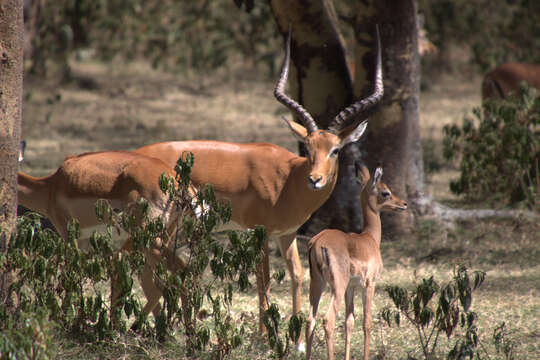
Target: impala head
column 376, row 193
column 323, row 146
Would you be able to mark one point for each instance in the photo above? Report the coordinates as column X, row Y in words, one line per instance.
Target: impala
column 268, row 185
column 346, row 261
column 120, row 177
column 506, row 79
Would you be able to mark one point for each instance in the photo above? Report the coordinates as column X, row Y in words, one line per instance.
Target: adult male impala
column 347, row 261
column 268, row 185
column 506, row 79
column 120, row 177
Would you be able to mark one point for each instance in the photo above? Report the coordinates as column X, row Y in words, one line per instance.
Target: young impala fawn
column 347, row 261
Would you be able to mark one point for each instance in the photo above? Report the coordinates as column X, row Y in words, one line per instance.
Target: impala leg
column 349, row 320
column 263, row 285
column 114, row 278
column 176, row 264
column 368, row 301
column 151, row 288
column 330, row 318
column 316, row 288
column 289, row 251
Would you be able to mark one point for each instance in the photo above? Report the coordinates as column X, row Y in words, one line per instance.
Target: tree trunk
column 394, row 131
column 321, row 82
column 11, row 73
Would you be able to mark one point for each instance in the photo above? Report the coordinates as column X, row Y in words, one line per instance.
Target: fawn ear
column 362, row 173
column 378, row 175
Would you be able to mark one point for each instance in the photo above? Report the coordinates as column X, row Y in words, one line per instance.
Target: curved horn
column 340, row 121
column 279, row 93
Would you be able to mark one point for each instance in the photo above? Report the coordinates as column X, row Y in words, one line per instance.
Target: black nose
column 314, row 181
column 405, row 204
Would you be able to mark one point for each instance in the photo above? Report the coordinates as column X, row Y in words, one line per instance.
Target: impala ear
column 352, row 134
column 378, row 175
column 298, row 130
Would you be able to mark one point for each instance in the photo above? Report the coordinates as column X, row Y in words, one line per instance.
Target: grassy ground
column 124, row 107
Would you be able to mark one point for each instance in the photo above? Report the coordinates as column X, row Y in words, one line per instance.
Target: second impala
column 268, row 185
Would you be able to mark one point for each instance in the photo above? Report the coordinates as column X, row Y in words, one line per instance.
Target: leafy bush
column 26, row 336
column 431, row 317
column 230, row 265
column 65, row 286
column 499, row 151
column 281, row 345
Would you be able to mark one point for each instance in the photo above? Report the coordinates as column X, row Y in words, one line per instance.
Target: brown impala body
column 346, row 261
column 506, row 79
column 120, row 177
column 268, row 185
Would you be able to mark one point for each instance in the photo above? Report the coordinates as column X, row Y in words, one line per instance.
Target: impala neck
column 312, row 199
column 33, row 193
column 372, row 218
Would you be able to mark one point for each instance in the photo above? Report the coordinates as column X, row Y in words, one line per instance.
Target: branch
column 427, row 206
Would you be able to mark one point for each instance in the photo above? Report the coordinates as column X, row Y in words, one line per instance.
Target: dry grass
column 124, row 107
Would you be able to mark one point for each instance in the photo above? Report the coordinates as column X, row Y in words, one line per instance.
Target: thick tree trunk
column 321, row 82
column 394, row 136
column 11, row 72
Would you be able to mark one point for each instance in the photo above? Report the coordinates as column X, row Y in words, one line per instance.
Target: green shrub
column 431, row 316
column 499, row 151
column 59, row 286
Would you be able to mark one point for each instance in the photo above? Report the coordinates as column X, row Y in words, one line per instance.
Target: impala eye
column 334, row 152
column 386, row 194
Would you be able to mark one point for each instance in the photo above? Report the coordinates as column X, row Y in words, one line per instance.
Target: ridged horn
column 343, row 118
column 280, row 95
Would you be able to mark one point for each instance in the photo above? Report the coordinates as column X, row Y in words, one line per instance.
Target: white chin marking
column 316, row 186
column 301, row 347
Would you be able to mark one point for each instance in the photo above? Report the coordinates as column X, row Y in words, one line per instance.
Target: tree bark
column 394, row 131
column 11, row 77
column 320, row 81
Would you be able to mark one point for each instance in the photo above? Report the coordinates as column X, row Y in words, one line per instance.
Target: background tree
column 394, row 138
column 198, row 38
column 321, row 82
column 11, row 72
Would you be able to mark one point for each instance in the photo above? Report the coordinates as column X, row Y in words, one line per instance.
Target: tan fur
column 121, row 178
column 346, row 261
column 266, row 185
column 506, row 79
